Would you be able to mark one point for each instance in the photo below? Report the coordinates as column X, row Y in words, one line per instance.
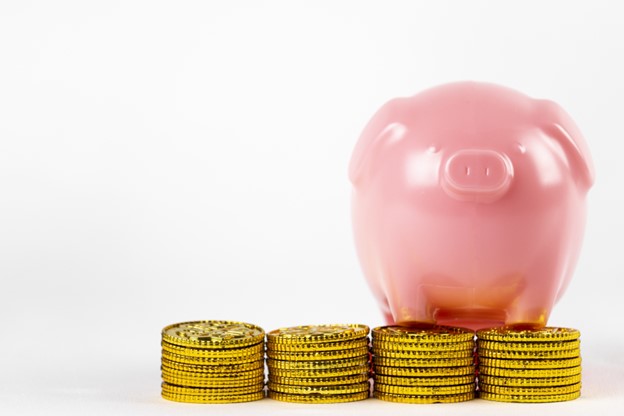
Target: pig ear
column 560, row 126
column 383, row 129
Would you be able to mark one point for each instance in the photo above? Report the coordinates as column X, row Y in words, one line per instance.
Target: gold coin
column 318, row 346
column 212, row 382
column 211, row 391
column 528, row 355
column 423, row 354
column 426, row 399
column 319, row 365
column 183, row 359
column 213, row 334
column 425, row 371
column 343, row 389
column 530, row 346
column 426, row 390
column 530, row 372
column 320, row 381
column 317, row 355
column 549, row 398
column 213, row 369
column 530, row 363
column 503, row 334
column 424, row 346
column 529, row 391
column 320, row 373
column 308, row 334
column 529, row 382
column 208, row 376
column 422, row 362
column 214, row 353
column 230, row 398
column 424, row 381
column 428, row 334
column 313, row 398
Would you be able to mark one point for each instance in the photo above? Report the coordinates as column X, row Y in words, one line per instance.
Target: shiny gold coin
column 422, row 362
column 425, row 390
column 212, row 382
column 230, row 398
column 530, row 363
column 528, row 355
column 343, row 389
column 530, row 399
column 529, row 382
column 320, row 373
column 319, row 365
column 545, row 334
column 530, row 346
column 426, row 399
column 320, row 381
column 183, row 359
column 317, row 355
column 208, row 376
column 213, row 334
column 214, row 353
column 211, row 391
column 308, row 334
column 529, row 391
column 318, row 346
column 424, row 346
column 424, row 381
column 213, row 369
column 431, row 334
column 423, row 354
column 426, row 371
column 322, row 398
column 530, row 372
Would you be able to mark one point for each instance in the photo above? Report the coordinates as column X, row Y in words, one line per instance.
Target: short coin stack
column 529, row 366
column 423, row 365
column 212, row 362
column 319, row 363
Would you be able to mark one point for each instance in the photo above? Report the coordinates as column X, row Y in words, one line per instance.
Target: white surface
column 171, row 161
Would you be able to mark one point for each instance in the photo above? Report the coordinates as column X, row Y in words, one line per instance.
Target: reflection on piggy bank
column 469, row 206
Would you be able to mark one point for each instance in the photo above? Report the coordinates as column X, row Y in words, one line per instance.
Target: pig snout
column 477, row 175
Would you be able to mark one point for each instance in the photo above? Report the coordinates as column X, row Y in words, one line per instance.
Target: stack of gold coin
column 319, row 363
column 432, row 364
column 529, row 366
column 212, row 362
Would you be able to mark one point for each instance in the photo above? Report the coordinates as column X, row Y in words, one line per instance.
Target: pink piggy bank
column 469, row 206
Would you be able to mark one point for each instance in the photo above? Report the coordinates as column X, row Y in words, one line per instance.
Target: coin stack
column 319, row 363
column 432, row 364
column 529, row 366
column 212, row 362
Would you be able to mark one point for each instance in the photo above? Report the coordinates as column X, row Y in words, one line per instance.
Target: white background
column 172, row 161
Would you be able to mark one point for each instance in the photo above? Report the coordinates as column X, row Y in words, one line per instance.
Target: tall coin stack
column 319, row 363
column 212, row 362
column 423, row 365
column 529, row 366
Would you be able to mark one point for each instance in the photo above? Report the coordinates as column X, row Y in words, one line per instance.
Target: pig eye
column 520, row 148
column 433, row 148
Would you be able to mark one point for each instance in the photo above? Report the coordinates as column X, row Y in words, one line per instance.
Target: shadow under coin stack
column 529, row 366
column 423, row 365
column 319, row 363
column 212, row 362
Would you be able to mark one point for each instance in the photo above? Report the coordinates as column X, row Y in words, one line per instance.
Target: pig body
column 469, row 206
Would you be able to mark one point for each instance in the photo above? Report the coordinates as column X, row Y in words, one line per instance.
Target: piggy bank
column 468, row 206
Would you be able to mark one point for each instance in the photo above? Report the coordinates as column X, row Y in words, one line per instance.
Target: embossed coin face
column 318, row 333
column 433, row 333
column 528, row 335
column 213, row 334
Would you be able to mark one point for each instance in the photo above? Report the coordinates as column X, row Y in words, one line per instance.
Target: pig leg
column 407, row 299
column 532, row 307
